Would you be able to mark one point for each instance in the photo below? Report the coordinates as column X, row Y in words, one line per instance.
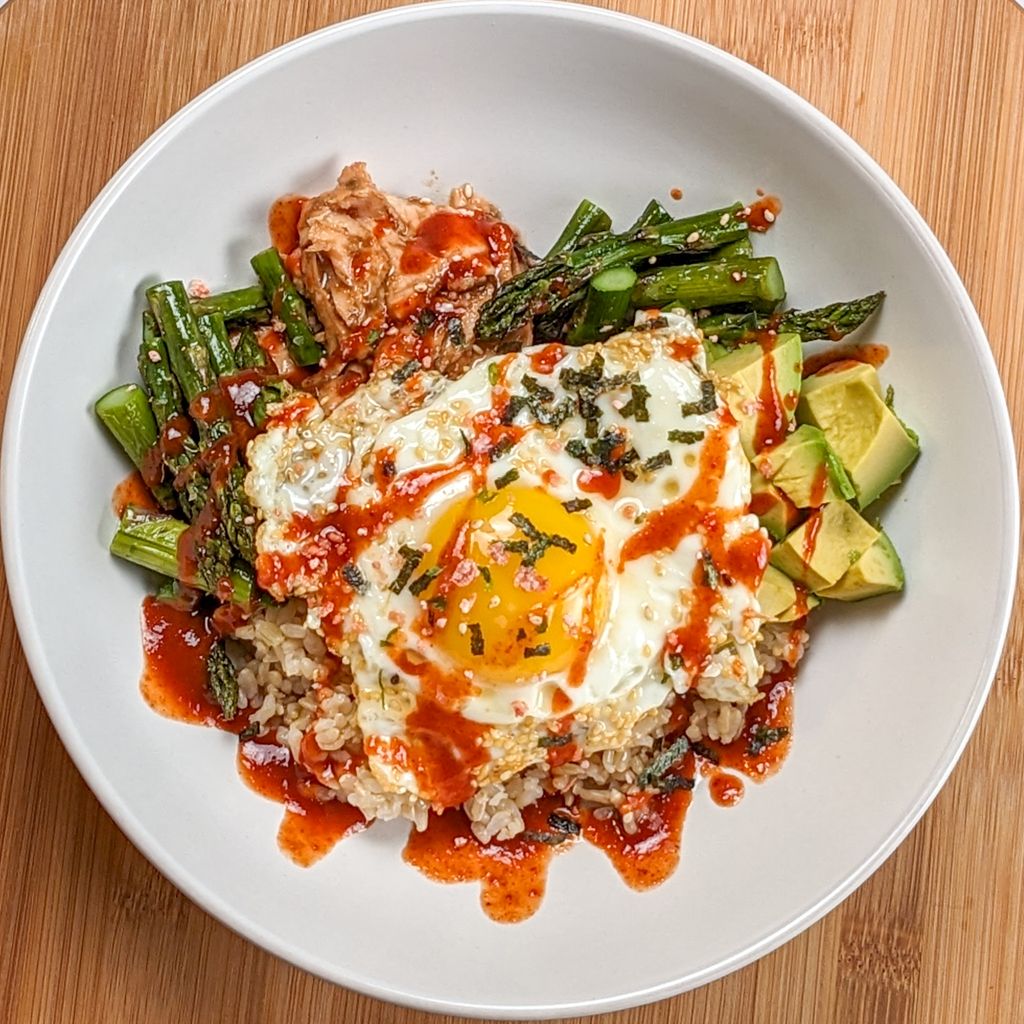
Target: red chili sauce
column 132, row 492
column 763, row 213
column 838, row 359
column 512, row 873
column 726, row 790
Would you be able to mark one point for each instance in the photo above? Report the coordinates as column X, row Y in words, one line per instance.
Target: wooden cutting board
column 934, row 90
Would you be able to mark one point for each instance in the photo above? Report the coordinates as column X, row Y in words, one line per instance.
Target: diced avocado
column 803, row 604
column 781, row 600
column 877, row 571
column 757, row 372
column 806, row 469
column 846, row 404
column 776, row 513
column 819, row 552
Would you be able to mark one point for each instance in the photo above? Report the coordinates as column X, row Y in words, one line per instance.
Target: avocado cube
column 806, row 469
column 846, row 404
column 761, row 381
column 775, row 512
column 877, row 571
column 780, row 599
column 820, row 551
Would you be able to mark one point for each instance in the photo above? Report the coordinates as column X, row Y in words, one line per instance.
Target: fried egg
column 560, row 536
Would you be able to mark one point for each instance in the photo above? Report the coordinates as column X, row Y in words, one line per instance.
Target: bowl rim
column 46, row 682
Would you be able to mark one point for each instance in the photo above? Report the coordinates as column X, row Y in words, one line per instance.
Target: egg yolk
column 516, row 586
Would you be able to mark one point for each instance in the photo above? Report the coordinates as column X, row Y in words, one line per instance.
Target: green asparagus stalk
column 248, row 352
column 829, row 322
column 220, row 355
column 241, row 305
column 653, row 213
column 552, row 287
column 151, row 540
column 222, row 681
column 606, row 305
column 126, row 413
column 587, row 219
column 756, row 281
column 189, row 358
column 740, row 249
column 286, row 303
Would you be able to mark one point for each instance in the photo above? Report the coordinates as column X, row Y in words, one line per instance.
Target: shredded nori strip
column 599, row 452
column 426, row 319
column 507, row 478
column 539, row 541
column 576, row 504
column 501, row 448
column 686, row 436
column 540, row 651
column 706, row 403
column 485, row 573
column 658, row 461
column 405, row 371
column 440, row 603
column 476, row 639
column 354, row 578
column 466, row 443
column 762, row 737
column 547, row 838
column 554, row 741
column 637, row 405
column 251, row 731
column 412, row 559
column 542, row 626
column 705, row 752
column 710, row 570
column 563, row 823
column 653, row 773
column 673, row 782
column 422, row 581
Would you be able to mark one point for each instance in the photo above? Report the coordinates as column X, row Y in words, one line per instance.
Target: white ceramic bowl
column 536, row 104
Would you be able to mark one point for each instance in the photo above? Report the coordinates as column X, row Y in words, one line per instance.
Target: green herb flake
column 423, row 581
column 540, row 651
column 412, row 558
column 705, row 752
column 476, row 639
column 486, row 496
column 493, row 374
column 576, row 504
column 890, row 396
column 762, row 737
column 389, row 640
column 426, row 319
column 485, row 575
column 686, row 436
column 675, row 660
column 658, row 461
column 542, row 626
column 405, row 371
column 456, row 334
column 507, row 478
column 466, row 443
column 439, row 603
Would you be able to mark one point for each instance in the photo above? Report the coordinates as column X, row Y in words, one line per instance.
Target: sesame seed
column 738, row 275
column 249, row 520
column 468, row 191
column 724, row 219
column 154, row 357
column 648, row 612
column 693, row 236
column 494, row 602
column 769, row 216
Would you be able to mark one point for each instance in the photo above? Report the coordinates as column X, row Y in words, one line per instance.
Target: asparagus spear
column 587, row 219
column 125, row 412
column 829, row 322
column 189, row 358
column 757, row 281
column 552, row 287
column 286, row 302
column 740, row 249
column 832, row 322
column 248, row 352
column 606, row 304
column 151, row 540
column 222, row 681
column 247, row 305
column 218, row 349
column 653, row 213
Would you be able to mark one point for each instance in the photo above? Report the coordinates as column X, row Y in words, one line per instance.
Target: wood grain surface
column 934, row 90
